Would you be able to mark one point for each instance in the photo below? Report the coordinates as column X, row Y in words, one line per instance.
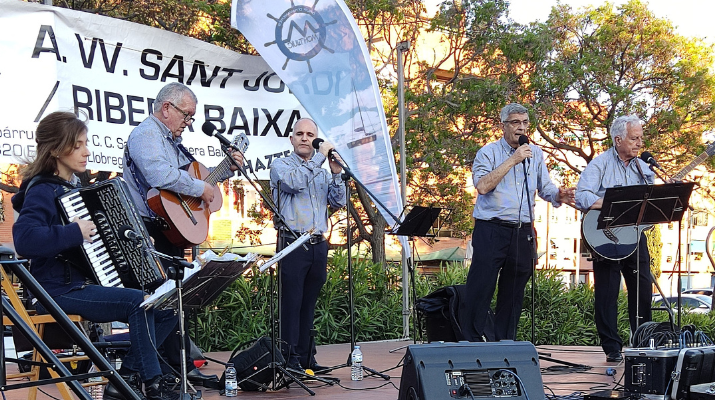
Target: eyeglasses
column 187, row 117
column 516, row 123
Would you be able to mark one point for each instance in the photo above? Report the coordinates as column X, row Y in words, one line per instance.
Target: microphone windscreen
column 208, row 128
column 523, row 140
column 646, row 156
column 317, row 142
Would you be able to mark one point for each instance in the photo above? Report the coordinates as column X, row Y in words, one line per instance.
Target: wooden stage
column 558, row 379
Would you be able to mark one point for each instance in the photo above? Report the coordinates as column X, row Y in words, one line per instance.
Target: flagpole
column 401, row 48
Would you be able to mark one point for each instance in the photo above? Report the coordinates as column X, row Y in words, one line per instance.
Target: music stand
column 417, row 223
column 203, row 287
column 644, row 205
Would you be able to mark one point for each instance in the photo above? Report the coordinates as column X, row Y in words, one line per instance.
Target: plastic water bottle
column 356, row 368
column 96, row 390
column 231, row 383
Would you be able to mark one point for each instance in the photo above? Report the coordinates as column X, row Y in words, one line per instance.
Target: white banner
column 110, row 70
column 318, row 51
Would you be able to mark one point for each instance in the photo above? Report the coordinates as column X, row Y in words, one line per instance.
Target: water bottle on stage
column 356, row 368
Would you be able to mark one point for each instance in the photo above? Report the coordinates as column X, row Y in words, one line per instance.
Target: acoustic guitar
column 188, row 217
column 619, row 243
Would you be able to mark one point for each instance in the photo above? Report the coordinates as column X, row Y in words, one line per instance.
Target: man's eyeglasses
column 516, row 123
column 187, row 117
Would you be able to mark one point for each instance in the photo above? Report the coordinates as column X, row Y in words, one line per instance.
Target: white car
column 691, row 302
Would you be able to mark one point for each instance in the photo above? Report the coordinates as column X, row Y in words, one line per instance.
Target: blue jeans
column 148, row 328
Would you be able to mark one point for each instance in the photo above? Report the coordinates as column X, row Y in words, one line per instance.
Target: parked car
column 704, row 291
column 691, row 302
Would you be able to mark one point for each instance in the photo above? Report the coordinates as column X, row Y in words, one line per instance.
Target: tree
column 576, row 72
column 599, row 63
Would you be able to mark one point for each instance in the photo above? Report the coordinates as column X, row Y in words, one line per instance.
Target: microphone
column 648, row 158
column 208, row 128
column 523, row 140
column 316, row 145
column 126, row 233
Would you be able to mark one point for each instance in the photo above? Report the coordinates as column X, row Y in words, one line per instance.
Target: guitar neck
column 218, row 172
column 697, row 161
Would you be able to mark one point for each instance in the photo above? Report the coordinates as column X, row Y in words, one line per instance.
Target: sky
column 692, row 18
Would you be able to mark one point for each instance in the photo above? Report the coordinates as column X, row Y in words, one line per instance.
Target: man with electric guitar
column 618, row 166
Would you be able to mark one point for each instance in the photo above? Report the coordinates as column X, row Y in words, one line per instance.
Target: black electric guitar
column 619, row 243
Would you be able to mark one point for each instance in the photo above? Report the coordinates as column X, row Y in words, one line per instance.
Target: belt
column 508, row 224
column 313, row 239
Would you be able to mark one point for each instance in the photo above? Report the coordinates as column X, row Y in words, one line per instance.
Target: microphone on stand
column 208, row 128
column 648, row 158
column 126, row 233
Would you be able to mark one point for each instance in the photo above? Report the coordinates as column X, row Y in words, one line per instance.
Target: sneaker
column 157, row 389
column 134, row 382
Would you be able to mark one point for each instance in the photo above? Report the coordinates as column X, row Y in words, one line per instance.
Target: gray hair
column 619, row 127
column 512, row 108
column 173, row 93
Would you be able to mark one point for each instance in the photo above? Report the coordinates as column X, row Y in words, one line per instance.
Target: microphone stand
column 346, row 176
column 175, row 272
column 532, row 239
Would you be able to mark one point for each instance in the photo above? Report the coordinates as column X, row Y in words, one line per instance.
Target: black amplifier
column 649, row 371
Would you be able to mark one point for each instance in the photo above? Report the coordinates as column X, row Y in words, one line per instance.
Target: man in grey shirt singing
column 303, row 191
column 503, row 235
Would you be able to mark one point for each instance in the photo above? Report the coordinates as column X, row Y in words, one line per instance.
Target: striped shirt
column 507, row 200
column 306, row 190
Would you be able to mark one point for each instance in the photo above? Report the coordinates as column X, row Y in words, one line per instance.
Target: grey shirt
column 306, row 190
column 507, row 200
column 608, row 170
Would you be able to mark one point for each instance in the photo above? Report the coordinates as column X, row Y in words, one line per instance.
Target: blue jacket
column 40, row 235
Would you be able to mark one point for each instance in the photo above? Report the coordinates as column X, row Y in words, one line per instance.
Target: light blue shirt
column 157, row 156
column 306, row 190
column 606, row 171
column 507, row 200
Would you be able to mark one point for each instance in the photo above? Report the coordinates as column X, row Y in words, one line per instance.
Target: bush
column 563, row 316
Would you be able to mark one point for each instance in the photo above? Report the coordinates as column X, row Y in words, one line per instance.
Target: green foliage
column 563, row 316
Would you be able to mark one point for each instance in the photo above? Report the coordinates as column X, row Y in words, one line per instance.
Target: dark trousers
column 607, row 285
column 149, row 328
column 303, row 273
column 503, row 253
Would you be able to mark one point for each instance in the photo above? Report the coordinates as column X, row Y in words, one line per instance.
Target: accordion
column 112, row 259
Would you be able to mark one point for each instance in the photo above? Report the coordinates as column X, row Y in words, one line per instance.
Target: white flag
column 316, row 48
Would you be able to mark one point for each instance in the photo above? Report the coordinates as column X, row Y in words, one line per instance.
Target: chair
column 39, row 324
column 35, row 327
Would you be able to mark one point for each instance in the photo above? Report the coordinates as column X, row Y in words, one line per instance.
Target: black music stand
column 645, row 205
column 417, row 223
column 203, row 287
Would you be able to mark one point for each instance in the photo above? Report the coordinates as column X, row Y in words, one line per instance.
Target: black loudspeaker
column 505, row 370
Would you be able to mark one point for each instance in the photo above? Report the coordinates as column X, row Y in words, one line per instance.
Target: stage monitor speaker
column 506, row 370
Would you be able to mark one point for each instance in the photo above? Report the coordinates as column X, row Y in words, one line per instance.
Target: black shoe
column 198, row 378
column 157, row 389
column 134, row 382
column 614, row 357
column 320, row 369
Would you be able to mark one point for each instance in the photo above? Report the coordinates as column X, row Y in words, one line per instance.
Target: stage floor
column 558, row 378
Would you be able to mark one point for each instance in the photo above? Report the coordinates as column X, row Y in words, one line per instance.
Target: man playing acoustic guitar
column 155, row 158
column 618, row 166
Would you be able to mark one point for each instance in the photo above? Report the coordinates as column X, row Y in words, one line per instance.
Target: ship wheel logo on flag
column 300, row 34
